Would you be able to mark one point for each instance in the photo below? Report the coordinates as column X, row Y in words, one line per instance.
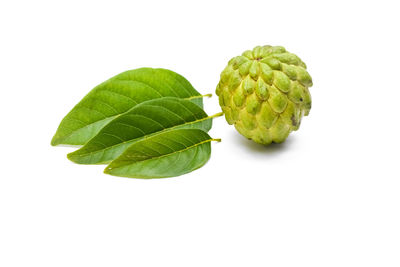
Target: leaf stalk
column 198, row 96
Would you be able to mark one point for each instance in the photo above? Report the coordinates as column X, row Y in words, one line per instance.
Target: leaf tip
column 55, row 141
column 107, row 170
column 73, row 157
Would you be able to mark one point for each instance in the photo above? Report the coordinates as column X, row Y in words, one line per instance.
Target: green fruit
column 264, row 93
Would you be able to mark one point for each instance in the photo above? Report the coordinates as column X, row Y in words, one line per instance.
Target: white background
column 328, row 196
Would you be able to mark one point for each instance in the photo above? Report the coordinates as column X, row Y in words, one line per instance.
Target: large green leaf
column 146, row 119
column 117, row 95
column 171, row 153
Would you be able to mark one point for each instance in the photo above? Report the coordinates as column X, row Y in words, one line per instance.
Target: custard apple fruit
column 264, row 93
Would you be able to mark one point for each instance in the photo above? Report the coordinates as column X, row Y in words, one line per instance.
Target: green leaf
column 146, row 119
column 116, row 96
column 171, row 153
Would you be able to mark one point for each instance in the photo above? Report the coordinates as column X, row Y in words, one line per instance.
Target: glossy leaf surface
column 169, row 154
column 116, row 96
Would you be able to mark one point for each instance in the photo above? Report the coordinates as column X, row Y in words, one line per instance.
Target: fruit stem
column 216, row 139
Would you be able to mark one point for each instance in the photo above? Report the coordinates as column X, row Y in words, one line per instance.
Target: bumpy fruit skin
column 264, row 93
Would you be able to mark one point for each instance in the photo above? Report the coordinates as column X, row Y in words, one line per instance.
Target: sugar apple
column 264, row 93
